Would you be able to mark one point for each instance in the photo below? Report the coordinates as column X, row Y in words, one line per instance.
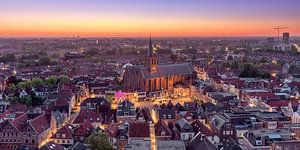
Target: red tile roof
column 20, row 122
column 84, row 129
column 18, row 107
column 112, row 130
column 66, row 130
column 200, row 127
column 41, row 123
column 139, row 129
column 279, row 103
column 88, row 115
column 61, row 102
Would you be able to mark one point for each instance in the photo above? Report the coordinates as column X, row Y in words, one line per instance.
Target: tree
column 36, row 82
column 64, row 80
column 51, row 81
column 28, row 100
column 24, row 85
column 12, row 87
column 235, row 65
column 248, row 70
column 109, row 99
column 44, row 61
column 99, row 141
column 57, row 69
column 264, row 75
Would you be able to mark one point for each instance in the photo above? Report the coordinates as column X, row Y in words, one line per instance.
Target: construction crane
column 278, row 28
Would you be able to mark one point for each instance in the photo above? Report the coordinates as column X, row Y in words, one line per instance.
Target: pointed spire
column 150, row 52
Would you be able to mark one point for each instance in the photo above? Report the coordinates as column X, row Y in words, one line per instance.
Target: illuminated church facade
column 154, row 79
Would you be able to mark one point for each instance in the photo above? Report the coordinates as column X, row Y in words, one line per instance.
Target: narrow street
column 152, row 137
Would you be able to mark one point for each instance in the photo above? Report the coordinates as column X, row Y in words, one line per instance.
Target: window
column 63, row 136
column 32, row 141
column 63, row 141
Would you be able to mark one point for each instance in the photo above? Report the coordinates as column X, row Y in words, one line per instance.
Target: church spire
column 152, row 58
column 150, row 52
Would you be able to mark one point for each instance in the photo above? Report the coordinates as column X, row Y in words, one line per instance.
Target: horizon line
column 157, row 36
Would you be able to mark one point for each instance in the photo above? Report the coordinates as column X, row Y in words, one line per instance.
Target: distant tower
column 152, row 58
column 286, row 38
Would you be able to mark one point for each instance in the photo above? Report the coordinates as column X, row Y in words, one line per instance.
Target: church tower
column 152, row 58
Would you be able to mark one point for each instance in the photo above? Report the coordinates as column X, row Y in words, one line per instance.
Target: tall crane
column 278, row 28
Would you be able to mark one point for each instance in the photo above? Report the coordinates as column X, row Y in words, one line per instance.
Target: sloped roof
column 41, row 123
column 139, row 129
column 160, row 127
column 66, row 130
column 200, row 143
column 169, row 70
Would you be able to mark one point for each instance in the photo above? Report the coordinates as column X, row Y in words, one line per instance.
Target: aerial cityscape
column 150, row 75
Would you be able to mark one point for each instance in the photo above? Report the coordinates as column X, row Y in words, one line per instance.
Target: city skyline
column 142, row 18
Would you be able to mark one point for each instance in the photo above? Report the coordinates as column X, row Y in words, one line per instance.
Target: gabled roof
column 84, row 129
column 20, row 122
column 184, row 126
column 66, row 130
column 126, row 106
column 41, row 123
column 112, row 130
column 200, row 143
column 200, row 127
column 160, row 127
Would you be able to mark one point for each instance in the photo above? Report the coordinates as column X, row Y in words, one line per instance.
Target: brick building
column 157, row 80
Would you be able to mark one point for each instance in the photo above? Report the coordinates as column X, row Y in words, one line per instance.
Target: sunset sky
column 145, row 17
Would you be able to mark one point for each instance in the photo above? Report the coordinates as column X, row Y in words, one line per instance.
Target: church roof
column 169, row 70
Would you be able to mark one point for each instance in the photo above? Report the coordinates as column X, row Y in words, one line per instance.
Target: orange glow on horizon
column 116, row 26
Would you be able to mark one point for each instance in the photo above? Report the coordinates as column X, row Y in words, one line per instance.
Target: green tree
column 36, row 82
column 109, row 99
column 234, row 65
column 64, row 80
column 248, row 70
column 57, row 69
column 12, row 87
column 99, row 141
column 264, row 75
column 24, row 85
column 51, row 81
column 44, row 61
